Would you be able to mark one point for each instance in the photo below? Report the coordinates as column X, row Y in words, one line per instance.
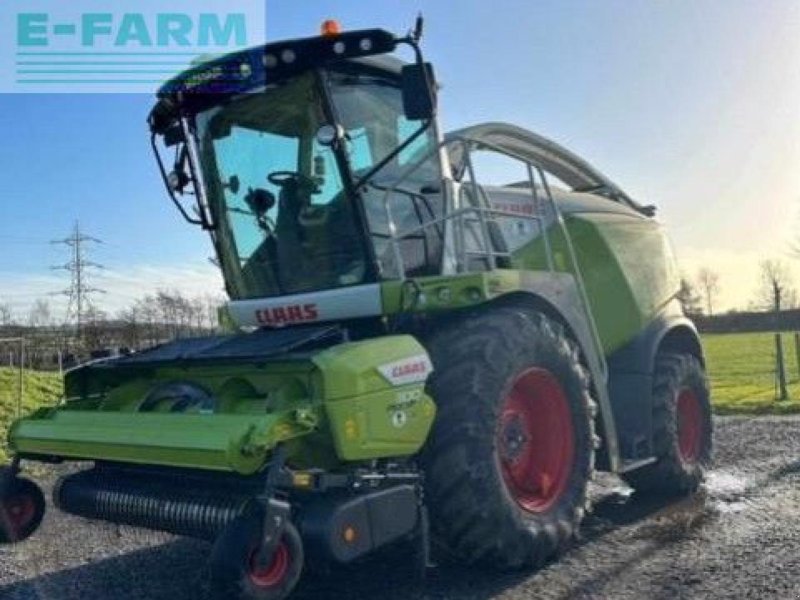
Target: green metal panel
column 389, row 423
column 352, row 369
column 628, row 269
column 237, row 443
column 368, row 416
column 334, row 407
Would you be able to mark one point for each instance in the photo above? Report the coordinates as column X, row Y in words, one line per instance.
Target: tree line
column 146, row 322
column 774, row 291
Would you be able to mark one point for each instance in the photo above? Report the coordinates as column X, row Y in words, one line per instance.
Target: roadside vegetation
column 40, row 389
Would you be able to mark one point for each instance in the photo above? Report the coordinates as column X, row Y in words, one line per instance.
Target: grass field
column 742, row 371
column 40, row 389
column 741, row 367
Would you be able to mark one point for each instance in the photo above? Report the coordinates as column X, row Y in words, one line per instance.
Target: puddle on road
column 666, row 519
column 670, row 519
column 727, row 491
column 725, row 484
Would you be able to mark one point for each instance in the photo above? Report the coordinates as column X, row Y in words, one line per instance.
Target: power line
column 79, row 292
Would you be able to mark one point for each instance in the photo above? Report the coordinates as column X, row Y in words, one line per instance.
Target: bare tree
column 709, row 287
column 690, row 300
column 40, row 314
column 775, row 280
column 96, row 330
column 6, row 315
column 775, row 286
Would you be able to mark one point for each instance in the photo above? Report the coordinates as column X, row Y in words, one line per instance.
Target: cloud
column 122, row 285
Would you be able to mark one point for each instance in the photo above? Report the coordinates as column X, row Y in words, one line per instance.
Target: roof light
column 331, row 28
column 339, row 47
column 288, row 56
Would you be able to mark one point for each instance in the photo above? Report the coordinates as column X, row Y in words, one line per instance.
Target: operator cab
column 293, row 152
column 319, row 168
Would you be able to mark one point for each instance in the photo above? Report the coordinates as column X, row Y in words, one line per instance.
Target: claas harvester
column 432, row 341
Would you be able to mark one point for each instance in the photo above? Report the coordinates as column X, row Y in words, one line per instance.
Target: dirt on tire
column 475, row 515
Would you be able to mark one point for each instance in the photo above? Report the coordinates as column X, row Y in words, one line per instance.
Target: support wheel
column 512, row 450
column 682, row 428
column 235, row 573
column 22, row 508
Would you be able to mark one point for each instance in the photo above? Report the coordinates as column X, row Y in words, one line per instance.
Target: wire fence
column 743, row 367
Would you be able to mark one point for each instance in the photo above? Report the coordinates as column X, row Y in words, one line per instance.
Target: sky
column 691, row 105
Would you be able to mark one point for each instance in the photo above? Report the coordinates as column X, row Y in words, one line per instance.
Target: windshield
column 285, row 223
column 369, row 107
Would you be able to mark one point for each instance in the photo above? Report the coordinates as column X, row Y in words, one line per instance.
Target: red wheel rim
column 535, row 440
column 271, row 575
column 18, row 512
column 690, row 425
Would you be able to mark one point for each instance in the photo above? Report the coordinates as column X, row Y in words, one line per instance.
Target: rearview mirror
column 419, row 91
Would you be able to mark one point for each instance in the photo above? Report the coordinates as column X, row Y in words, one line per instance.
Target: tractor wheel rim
column 18, row 512
column 535, row 440
column 690, row 426
column 273, row 574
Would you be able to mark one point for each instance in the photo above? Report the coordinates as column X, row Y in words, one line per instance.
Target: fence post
column 781, row 369
column 797, row 351
column 21, row 386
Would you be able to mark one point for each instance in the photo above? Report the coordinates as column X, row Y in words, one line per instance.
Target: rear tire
column 682, row 428
column 512, row 449
column 234, row 572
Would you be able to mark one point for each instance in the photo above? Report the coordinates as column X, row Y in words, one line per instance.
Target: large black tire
column 22, row 508
column 479, row 509
column 234, row 573
column 682, row 428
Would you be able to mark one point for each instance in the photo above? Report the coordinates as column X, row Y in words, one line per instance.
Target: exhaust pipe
column 197, row 507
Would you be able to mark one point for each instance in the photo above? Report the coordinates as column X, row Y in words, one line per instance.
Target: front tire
column 512, row 449
column 235, row 574
column 22, row 508
column 682, row 428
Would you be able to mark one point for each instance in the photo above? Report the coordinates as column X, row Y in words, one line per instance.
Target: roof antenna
column 419, row 25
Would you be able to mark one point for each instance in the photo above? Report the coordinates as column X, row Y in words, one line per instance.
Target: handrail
column 485, row 213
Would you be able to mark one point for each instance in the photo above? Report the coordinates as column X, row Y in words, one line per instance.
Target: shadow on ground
column 177, row 570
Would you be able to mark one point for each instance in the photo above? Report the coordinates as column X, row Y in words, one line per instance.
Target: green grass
column 741, row 367
column 40, row 389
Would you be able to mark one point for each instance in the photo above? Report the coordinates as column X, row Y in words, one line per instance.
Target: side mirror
column 419, row 91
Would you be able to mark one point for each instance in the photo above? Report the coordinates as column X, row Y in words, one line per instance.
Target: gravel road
column 739, row 538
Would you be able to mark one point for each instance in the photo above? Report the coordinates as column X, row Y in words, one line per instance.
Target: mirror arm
column 170, row 191
column 413, row 42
